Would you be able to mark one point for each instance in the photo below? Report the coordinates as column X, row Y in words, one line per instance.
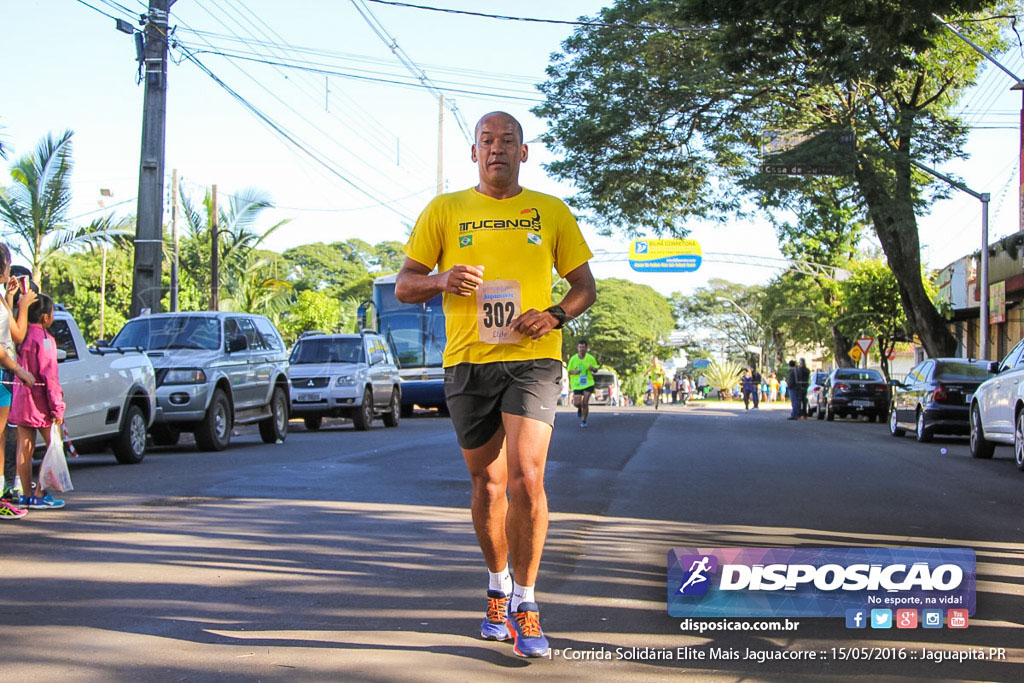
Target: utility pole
column 440, row 144
column 174, row 239
column 149, row 226
column 214, row 254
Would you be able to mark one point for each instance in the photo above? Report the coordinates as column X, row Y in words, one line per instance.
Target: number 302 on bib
column 498, row 302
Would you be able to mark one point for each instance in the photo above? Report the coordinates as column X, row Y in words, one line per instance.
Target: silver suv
column 213, row 370
column 345, row 375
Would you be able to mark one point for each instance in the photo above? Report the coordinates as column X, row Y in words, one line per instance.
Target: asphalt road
column 342, row 555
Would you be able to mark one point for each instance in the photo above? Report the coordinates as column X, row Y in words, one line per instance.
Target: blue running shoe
column 524, row 623
column 495, row 626
column 47, row 502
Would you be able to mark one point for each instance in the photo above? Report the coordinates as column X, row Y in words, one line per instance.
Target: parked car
column 855, row 392
column 110, row 393
column 814, row 394
column 213, row 370
column 345, row 375
column 606, row 386
column 997, row 408
column 935, row 397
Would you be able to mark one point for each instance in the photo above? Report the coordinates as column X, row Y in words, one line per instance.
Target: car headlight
column 346, row 381
column 185, row 376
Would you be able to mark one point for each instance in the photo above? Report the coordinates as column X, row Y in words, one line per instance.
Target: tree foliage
column 655, row 127
column 724, row 315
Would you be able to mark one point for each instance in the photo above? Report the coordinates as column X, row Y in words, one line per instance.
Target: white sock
column 3, row 484
column 521, row 594
column 500, row 581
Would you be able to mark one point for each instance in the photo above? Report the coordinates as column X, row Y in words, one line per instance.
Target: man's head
column 803, row 363
column 498, row 151
column 582, row 346
column 792, row 363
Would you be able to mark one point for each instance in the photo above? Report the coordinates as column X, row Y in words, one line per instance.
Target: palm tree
column 237, row 239
column 257, row 289
column 35, row 207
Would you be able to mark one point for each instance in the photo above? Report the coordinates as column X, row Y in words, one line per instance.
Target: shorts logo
column 533, row 238
column 465, row 241
column 695, row 580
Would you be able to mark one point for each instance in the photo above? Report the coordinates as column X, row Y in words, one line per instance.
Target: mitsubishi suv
column 345, row 375
column 213, row 370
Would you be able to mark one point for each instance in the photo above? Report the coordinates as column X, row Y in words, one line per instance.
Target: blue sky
column 67, row 67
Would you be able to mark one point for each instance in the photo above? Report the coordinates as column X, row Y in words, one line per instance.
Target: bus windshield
column 415, row 331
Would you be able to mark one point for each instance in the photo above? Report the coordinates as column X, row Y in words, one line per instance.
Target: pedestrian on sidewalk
column 40, row 405
column 13, row 326
column 804, row 379
column 792, row 381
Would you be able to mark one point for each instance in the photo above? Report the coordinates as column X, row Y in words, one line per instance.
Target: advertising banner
column 665, row 255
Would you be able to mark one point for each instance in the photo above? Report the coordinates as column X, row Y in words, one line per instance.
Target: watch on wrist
column 559, row 314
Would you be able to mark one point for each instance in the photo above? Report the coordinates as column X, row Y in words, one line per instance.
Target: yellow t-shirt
column 517, row 240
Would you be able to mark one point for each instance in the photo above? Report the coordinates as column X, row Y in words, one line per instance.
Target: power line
column 342, row 74
column 563, row 22
column 358, row 157
column 286, row 135
column 316, row 91
column 389, row 40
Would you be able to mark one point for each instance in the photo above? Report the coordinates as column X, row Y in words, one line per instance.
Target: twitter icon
column 881, row 618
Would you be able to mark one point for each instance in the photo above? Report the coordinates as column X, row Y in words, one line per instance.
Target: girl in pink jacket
column 38, row 406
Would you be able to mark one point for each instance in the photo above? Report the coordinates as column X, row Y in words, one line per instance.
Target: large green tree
column 659, row 112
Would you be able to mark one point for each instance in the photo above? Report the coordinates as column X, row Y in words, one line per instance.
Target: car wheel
column 894, row 424
column 820, row 413
column 313, row 423
column 214, row 432
column 130, row 444
column 394, row 409
column 830, row 413
column 164, row 435
column 924, row 434
column 275, row 427
column 980, row 448
column 363, row 418
column 1018, row 441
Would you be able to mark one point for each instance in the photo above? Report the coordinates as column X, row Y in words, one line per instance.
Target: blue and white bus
column 417, row 336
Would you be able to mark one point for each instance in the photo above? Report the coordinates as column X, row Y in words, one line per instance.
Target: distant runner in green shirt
column 581, row 380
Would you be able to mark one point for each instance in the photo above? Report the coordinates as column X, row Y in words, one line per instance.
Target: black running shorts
column 478, row 394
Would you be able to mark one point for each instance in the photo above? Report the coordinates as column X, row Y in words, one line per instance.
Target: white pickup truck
column 110, row 393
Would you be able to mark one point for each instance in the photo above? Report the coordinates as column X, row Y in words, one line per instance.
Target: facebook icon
column 856, row 618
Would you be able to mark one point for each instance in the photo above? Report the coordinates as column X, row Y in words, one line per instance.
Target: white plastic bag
column 53, row 473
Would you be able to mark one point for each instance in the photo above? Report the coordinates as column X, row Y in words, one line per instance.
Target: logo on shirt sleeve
column 465, row 241
column 533, row 238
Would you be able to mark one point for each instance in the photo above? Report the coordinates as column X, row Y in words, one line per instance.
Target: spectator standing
column 804, row 379
column 12, row 331
column 792, row 382
column 40, row 405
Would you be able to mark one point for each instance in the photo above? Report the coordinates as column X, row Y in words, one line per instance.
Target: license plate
column 862, row 404
column 307, row 398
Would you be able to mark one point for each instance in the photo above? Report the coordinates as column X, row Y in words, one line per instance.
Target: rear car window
column 315, row 350
column 860, row 375
column 952, row 371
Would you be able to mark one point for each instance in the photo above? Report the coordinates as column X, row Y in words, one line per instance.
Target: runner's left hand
column 534, row 324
